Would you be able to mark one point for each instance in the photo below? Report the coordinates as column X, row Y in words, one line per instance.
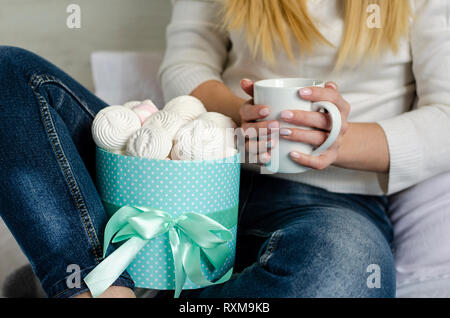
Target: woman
column 323, row 229
column 324, row 233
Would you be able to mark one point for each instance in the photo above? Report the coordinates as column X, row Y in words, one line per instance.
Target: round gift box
column 205, row 187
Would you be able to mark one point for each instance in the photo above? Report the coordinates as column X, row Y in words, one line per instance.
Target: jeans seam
column 270, row 247
column 85, row 287
column 65, row 165
column 37, row 80
column 82, row 284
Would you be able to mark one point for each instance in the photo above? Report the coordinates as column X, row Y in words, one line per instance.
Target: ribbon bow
column 188, row 234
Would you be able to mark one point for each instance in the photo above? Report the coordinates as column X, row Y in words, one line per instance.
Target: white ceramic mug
column 283, row 94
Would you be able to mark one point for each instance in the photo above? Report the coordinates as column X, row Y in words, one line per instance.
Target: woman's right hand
column 255, row 128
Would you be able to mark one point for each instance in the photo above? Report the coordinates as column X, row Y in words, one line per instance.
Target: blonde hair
column 266, row 23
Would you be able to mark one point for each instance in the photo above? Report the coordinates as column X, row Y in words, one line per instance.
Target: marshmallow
column 113, row 126
column 187, row 107
column 143, row 109
column 150, row 142
column 171, row 122
column 199, row 140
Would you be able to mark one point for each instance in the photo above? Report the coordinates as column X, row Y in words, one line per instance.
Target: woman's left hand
column 321, row 124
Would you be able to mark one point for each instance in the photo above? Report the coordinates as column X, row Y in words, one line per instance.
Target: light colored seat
column 421, row 219
column 126, row 76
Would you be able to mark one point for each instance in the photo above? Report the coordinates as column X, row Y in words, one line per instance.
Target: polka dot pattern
column 176, row 187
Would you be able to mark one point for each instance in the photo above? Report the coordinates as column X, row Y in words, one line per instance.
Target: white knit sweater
column 407, row 94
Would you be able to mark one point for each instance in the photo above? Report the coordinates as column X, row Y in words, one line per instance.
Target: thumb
column 247, row 86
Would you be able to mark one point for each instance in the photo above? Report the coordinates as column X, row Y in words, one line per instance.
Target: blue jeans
column 294, row 240
column 47, row 163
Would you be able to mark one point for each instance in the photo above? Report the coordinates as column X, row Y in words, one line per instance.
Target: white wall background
column 40, row 26
column 125, row 25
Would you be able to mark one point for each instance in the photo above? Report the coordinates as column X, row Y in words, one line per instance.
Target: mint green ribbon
column 189, row 235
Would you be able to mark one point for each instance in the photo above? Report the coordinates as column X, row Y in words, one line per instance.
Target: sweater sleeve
column 197, row 47
column 419, row 140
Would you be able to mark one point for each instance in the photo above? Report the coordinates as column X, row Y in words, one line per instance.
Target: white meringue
column 150, row 142
column 199, row 140
column 144, row 111
column 132, row 104
column 187, row 107
column 219, row 119
column 224, row 122
column 171, row 122
column 113, row 126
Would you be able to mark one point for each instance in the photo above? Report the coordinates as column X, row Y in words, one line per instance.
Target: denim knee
column 331, row 253
column 14, row 55
column 17, row 67
column 15, row 64
column 12, row 59
column 21, row 74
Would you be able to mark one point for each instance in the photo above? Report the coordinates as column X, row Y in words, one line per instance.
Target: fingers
column 307, row 119
column 311, row 137
column 258, row 152
column 261, row 128
column 264, row 158
column 329, row 94
column 259, row 146
column 247, row 86
column 250, row 112
column 315, row 162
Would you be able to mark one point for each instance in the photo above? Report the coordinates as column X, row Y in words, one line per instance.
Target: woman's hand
column 258, row 143
column 321, row 123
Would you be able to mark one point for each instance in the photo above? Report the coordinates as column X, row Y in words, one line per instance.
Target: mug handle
column 336, row 120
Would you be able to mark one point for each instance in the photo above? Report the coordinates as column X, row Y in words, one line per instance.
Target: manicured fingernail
column 285, row 132
column 287, row 114
column 305, row 91
column 273, row 125
column 295, row 155
column 264, row 112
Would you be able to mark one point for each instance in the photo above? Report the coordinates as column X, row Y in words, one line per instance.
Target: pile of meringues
column 182, row 130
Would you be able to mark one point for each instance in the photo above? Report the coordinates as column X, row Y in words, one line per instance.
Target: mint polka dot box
column 173, row 222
